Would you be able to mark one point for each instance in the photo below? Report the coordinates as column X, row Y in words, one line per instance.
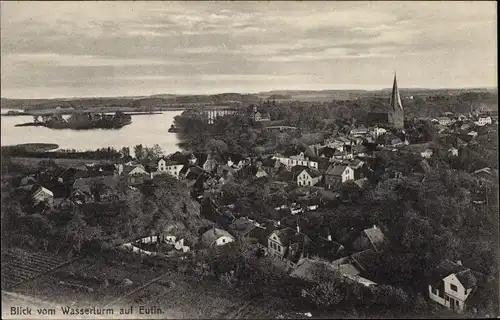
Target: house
column 216, row 237
column 426, row 154
column 338, row 174
column 192, row 173
column 307, row 176
column 453, row 151
column 297, row 160
column 350, row 272
column 261, row 173
column 451, row 284
column 135, row 174
column 358, row 131
column 376, row 132
column 370, row 238
column 444, row 121
column 483, row 121
column 312, row 270
column 171, row 167
column 342, row 155
column 242, row 228
column 43, row 195
column 472, row 134
column 68, row 175
column 269, row 165
column 288, row 245
column 486, row 174
column 325, row 249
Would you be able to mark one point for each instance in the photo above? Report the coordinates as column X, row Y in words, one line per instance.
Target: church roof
column 395, row 97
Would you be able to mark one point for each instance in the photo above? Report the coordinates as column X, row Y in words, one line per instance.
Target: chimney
column 298, row 229
column 329, row 238
column 151, row 174
column 374, row 227
column 459, row 262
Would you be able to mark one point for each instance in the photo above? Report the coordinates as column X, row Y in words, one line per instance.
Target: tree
column 139, row 152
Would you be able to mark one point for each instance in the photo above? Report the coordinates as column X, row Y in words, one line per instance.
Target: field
column 34, row 162
column 19, row 266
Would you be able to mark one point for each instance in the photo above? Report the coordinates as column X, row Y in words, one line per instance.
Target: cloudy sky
column 79, row 49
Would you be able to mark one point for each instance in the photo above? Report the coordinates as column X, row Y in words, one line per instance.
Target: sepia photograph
column 249, row 160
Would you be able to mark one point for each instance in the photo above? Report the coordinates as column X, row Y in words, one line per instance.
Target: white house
column 43, row 194
column 451, row 285
column 453, row 151
column 444, row 121
column 308, row 177
column 172, row 168
column 299, row 160
column 472, row 134
column 483, row 121
column 426, row 154
column 377, row 132
column 216, row 237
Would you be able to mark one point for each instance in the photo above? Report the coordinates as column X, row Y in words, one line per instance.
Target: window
column 457, row 303
column 453, row 287
column 223, row 240
column 447, row 298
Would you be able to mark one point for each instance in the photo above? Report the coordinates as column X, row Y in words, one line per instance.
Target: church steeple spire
column 395, row 97
column 396, row 111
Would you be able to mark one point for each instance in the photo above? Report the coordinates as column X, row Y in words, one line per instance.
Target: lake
column 144, row 129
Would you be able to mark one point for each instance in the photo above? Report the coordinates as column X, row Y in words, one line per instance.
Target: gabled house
column 170, row 167
column 135, row 174
column 306, row 176
column 43, row 195
column 336, row 175
column 261, row 173
column 451, row 285
column 486, row 174
column 370, row 238
column 216, row 237
column 288, row 245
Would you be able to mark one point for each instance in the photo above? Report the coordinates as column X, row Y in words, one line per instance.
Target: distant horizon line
column 254, row 93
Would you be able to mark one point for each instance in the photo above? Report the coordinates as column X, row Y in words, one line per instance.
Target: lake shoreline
column 145, row 130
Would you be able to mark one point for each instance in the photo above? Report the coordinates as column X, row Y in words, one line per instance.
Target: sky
column 83, row 49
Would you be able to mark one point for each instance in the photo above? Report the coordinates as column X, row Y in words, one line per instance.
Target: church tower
column 396, row 111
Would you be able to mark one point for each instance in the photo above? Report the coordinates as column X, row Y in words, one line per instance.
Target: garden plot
column 20, row 265
column 87, row 282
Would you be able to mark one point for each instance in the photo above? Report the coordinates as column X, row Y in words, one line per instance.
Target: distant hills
column 173, row 100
